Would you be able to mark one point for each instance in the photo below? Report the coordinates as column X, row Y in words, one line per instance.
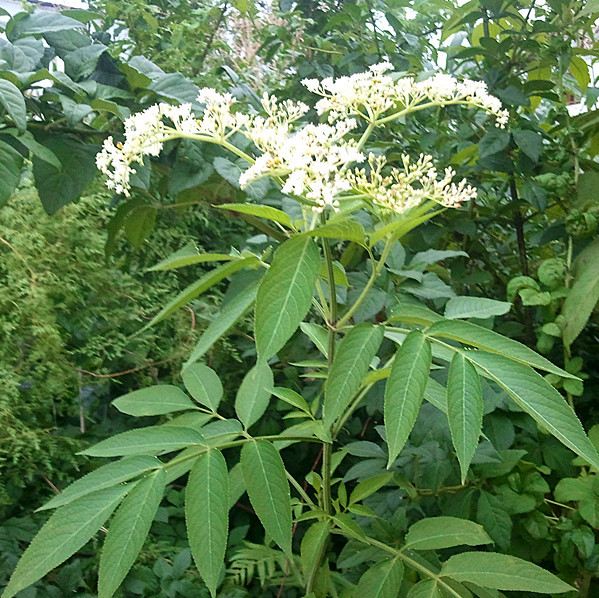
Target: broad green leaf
column 405, row 390
column 313, row 544
column 483, row 338
column 207, row 515
column 492, row 514
column 318, row 335
column 369, row 486
column 139, row 224
column 347, row 230
column 206, row 282
column 464, row 409
column 104, row 477
column 583, row 295
column 502, row 572
column 152, row 440
column 188, row 256
column 229, row 315
column 580, row 71
column 14, row 103
column 285, row 294
column 254, row 394
column 268, row 490
column 349, row 368
column 436, row 394
column 11, row 163
column 427, row 588
column 154, row 400
column 127, row 532
column 539, row 399
column 475, row 307
column 414, row 314
column 432, row 256
column 42, row 21
column 434, row 533
column 36, row 149
column 69, row 528
column 291, row 398
column 261, row 211
column 382, row 580
column 203, row 384
column 193, row 419
column 401, row 227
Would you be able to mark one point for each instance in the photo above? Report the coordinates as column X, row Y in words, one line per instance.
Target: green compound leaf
column 350, row 366
column 203, row 384
column 154, row 400
column 434, row 533
column 539, row 399
column 207, row 281
column 230, row 314
column 464, row 409
column 207, row 515
column 285, row 294
column 266, row 484
column 128, row 531
column 152, row 440
column 70, row 528
column 382, row 580
column 104, row 477
column 405, row 390
column 254, row 394
column 502, row 572
column 482, row 338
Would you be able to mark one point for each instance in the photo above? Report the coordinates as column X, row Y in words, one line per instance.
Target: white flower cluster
column 314, row 159
column 311, row 161
column 145, row 134
column 372, row 94
column 406, row 188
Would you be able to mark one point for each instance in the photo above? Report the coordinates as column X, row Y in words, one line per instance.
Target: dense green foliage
column 521, row 260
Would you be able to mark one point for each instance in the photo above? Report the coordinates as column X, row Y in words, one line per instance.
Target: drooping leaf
column 206, row 282
column 313, row 543
column 539, row 399
column 153, row 440
column 11, row 163
column 266, row 483
column 349, row 368
column 104, row 477
column 475, row 307
column 207, row 515
column 203, row 384
column 347, row 230
column 502, row 572
column 14, row 103
column 69, row 528
column 285, row 294
column 435, row 533
column 318, row 335
column 188, row 256
column 483, row 338
column 583, row 295
column 127, row 532
column 369, row 486
column 230, row 314
column 382, row 580
column 405, row 390
column 254, row 394
column 154, row 400
column 261, row 211
column 464, row 409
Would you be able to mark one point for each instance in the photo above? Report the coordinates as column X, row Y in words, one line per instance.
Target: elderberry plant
column 349, row 197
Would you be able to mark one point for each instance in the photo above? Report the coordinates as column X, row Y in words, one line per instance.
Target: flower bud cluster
column 408, row 187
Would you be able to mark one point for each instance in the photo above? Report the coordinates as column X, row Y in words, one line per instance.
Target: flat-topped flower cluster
column 317, row 163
